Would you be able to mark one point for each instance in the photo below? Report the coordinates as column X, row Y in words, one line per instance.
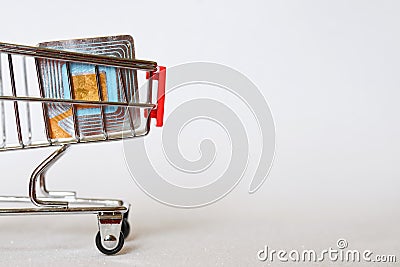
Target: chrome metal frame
column 110, row 212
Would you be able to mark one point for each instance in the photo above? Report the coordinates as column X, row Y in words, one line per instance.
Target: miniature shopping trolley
column 76, row 92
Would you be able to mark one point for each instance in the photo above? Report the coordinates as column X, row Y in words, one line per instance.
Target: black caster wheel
column 107, row 251
column 125, row 228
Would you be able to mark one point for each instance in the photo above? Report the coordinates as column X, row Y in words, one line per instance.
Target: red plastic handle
column 158, row 112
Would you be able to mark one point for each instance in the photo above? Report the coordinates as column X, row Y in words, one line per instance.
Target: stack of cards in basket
column 83, row 84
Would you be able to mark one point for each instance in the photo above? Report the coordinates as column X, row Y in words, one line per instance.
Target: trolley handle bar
column 62, row 55
column 158, row 112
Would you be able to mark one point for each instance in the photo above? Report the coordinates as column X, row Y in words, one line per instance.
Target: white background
column 330, row 72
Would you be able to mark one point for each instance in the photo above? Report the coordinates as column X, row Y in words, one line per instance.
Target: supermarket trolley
column 112, row 215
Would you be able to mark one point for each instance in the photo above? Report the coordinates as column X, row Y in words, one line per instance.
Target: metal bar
column 56, row 210
column 72, row 94
column 127, row 101
column 28, row 110
column 75, row 101
column 84, row 141
column 83, row 206
column 150, row 87
column 41, row 170
column 67, row 56
column 99, row 88
column 14, row 92
column 135, row 86
column 42, row 96
column 85, row 202
column 3, row 117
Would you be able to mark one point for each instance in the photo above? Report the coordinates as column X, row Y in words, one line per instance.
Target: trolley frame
column 112, row 214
